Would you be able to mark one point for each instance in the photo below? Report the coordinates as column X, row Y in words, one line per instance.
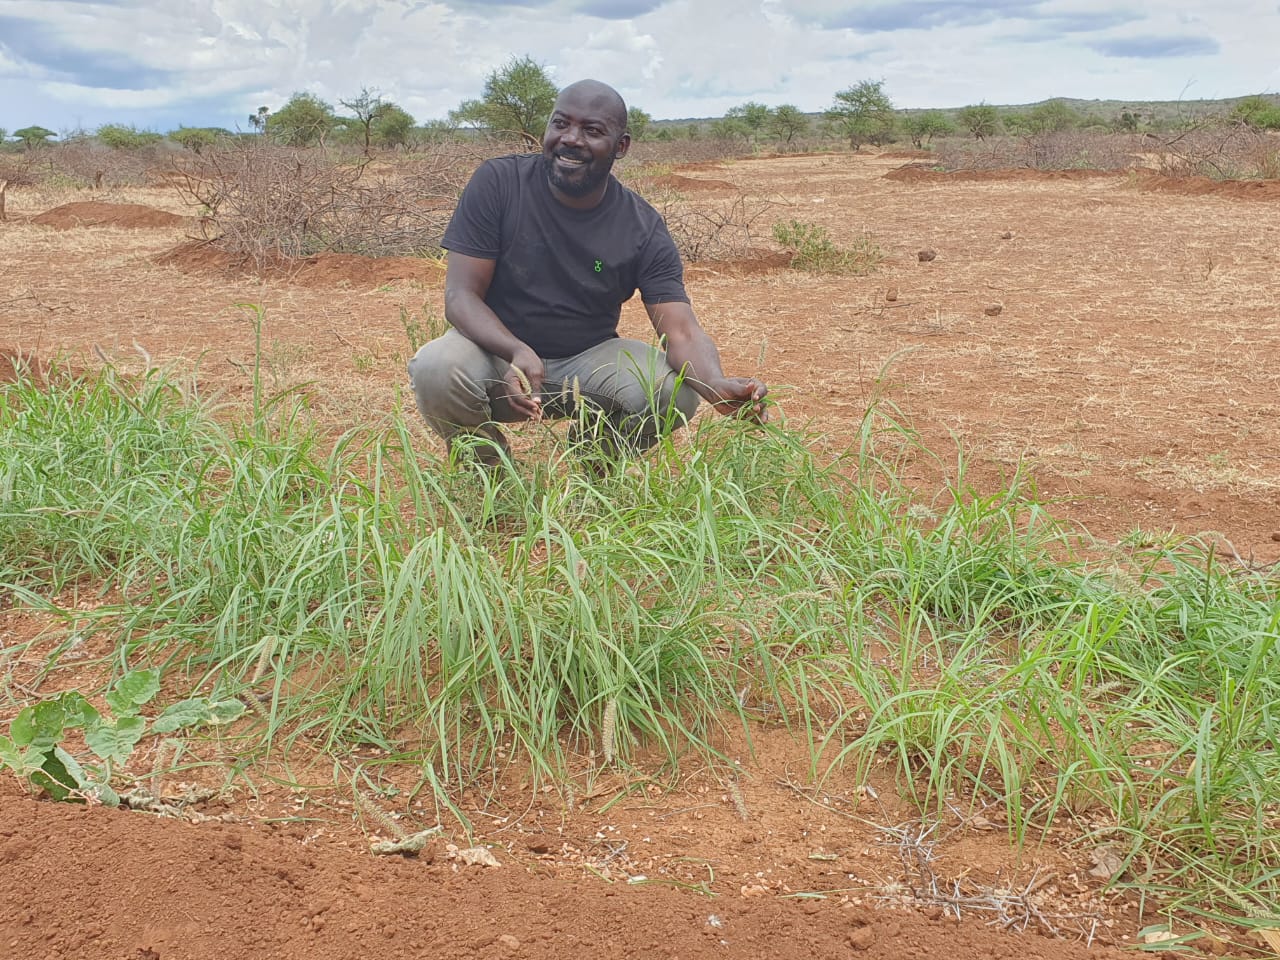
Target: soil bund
column 97, row 213
column 96, row 882
column 1144, row 180
column 676, row 182
column 921, row 173
column 321, row 270
column 752, row 263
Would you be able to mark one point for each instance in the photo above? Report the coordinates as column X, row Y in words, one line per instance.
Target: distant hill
column 1155, row 112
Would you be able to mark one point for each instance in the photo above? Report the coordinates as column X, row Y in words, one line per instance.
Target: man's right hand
column 525, row 395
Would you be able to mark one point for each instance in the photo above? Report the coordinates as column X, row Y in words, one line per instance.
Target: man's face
column 583, row 139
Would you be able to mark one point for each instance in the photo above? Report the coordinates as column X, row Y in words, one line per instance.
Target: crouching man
column 543, row 251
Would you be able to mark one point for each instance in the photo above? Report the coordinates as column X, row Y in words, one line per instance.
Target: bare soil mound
column 753, row 264
column 1205, row 187
column 324, row 269
column 1162, row 183
column 95, row 213
column 676, row 182
column 920, row 173
column 90, row 881
column 701, row 165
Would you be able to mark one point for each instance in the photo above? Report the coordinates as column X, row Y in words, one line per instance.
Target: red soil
column 95, row 213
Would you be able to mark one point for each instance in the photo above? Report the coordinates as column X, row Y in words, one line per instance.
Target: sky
column 73, row 65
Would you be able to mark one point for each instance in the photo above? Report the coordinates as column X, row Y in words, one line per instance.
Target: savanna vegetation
column 267, row 587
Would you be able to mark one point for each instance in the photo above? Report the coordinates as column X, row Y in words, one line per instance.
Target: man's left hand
column 740, row 397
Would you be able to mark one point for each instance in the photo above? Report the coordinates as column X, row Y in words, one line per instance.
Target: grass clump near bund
column 356, row 591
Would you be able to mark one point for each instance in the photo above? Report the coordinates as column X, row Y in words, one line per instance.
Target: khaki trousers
column 461, row 388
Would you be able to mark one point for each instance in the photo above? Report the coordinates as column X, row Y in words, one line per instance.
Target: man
column 543, row 251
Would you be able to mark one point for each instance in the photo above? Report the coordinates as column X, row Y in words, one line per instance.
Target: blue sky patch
column 1157, row 47
column 38, row 44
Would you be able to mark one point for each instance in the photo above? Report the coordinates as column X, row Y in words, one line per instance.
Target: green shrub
column 117, row 136
column 812, row 249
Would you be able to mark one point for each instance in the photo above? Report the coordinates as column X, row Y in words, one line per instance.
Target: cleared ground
column 1132, row 368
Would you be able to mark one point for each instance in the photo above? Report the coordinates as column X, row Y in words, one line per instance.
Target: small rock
column 891, row 294
column 1107, row 862
column 478, row 857
column 754, row 890
column 508, row 941
column 861, row 939
column 1275, row 535
column 993, row 310
column 927, row 254
column 1007, row 235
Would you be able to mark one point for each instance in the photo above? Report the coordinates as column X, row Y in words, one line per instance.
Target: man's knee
column 449, row 376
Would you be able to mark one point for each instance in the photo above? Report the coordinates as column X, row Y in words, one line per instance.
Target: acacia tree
column 392, row 127
column 34, row 136
column 753, row 115
column 730, row 128
column 303, row 121
column 1127, row 122
column 117, row 136
column 923, row 127
column 368, row 107
column 980, row 119
column 518, row 99
column 863, row 113
column 637, row 122
column 196, row 139
column 787, row 122
column 1257, row 112
column 1052, row 116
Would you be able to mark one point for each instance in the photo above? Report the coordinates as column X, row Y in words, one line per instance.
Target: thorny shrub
column 1063, row 150
column 264, row 201
column 82, row 163
column 1219, row 149
column 706, row 228
column 684, row 150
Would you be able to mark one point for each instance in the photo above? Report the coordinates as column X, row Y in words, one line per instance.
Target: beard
column 581, row 181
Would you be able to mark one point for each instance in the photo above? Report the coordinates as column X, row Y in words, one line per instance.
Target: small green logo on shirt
column 599, row 266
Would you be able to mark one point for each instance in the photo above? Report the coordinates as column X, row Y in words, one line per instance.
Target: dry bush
column 702, row 150
column 17, row 172
column 1213, row 147
column 1065, row 150
column 711, row 228
column 1221, row 149
column 84, row 162
column 265, row 202
column 992, row 153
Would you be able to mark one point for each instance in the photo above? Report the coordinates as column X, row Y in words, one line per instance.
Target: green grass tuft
column 362, row 592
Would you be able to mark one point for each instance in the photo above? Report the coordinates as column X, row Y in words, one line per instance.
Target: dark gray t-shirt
column 562, row 275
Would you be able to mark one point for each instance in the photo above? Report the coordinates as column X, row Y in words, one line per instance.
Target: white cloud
column 156, row 62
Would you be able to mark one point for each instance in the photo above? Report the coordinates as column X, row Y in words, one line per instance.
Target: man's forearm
column 472, row 317
column 696, row 356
